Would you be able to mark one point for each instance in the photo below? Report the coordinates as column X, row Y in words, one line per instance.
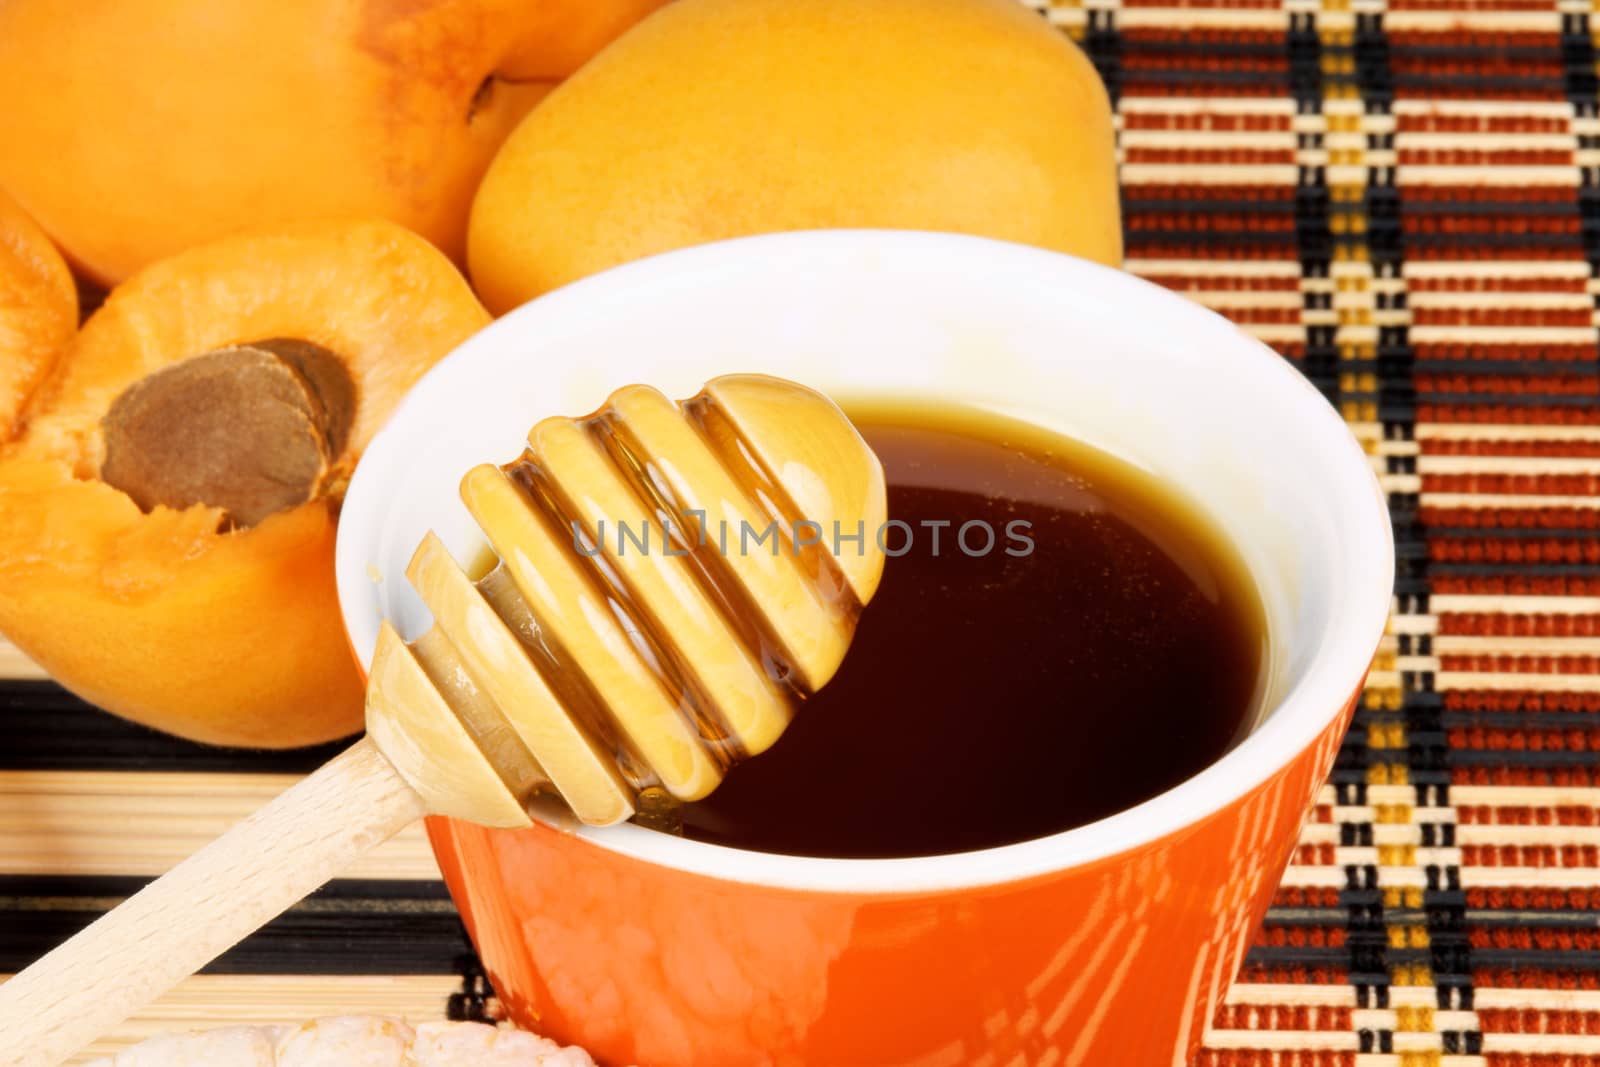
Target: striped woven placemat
column 1403, row 199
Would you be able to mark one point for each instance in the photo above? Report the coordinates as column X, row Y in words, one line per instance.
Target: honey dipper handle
column 203, row 906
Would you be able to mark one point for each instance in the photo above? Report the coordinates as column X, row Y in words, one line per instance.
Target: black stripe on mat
column 349, row 926
column 1367, row 926
column 1103, row 45
column 1313, row 233
column 45, row 728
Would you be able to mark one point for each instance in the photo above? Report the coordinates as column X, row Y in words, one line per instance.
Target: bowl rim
column 1330, row 681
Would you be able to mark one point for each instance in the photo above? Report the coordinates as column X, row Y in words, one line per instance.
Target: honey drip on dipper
column 669, row 586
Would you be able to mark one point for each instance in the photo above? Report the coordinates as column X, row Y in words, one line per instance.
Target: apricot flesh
column 135, row 129
column 38, row 311
column 722, row 118
column 188, row 619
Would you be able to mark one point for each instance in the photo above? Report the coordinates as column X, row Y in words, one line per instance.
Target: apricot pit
column 252, row 430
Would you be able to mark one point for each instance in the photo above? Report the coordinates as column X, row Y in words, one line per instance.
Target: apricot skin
column 558, row 38
column 229, row 638
column 721, row 118
column 135, row 129
column 38, row 311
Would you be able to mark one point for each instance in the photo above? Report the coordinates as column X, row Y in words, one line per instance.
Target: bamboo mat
column 1403, row 199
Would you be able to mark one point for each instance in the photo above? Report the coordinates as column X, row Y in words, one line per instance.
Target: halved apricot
column 38, row 310
column 167, row 515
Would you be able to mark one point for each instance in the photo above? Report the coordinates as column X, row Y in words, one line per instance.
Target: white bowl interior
column 1088, row 351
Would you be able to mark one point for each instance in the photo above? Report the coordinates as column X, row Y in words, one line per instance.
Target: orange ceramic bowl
column 1109, row 944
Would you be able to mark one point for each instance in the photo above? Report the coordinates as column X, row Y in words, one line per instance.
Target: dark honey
column 995, row 696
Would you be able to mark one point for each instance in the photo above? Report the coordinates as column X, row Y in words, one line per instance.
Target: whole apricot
column 167, row 515
column 137, row 128
column 38, row 310
column 721, row 118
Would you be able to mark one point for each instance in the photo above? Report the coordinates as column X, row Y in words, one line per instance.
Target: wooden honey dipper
column 589, row 664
